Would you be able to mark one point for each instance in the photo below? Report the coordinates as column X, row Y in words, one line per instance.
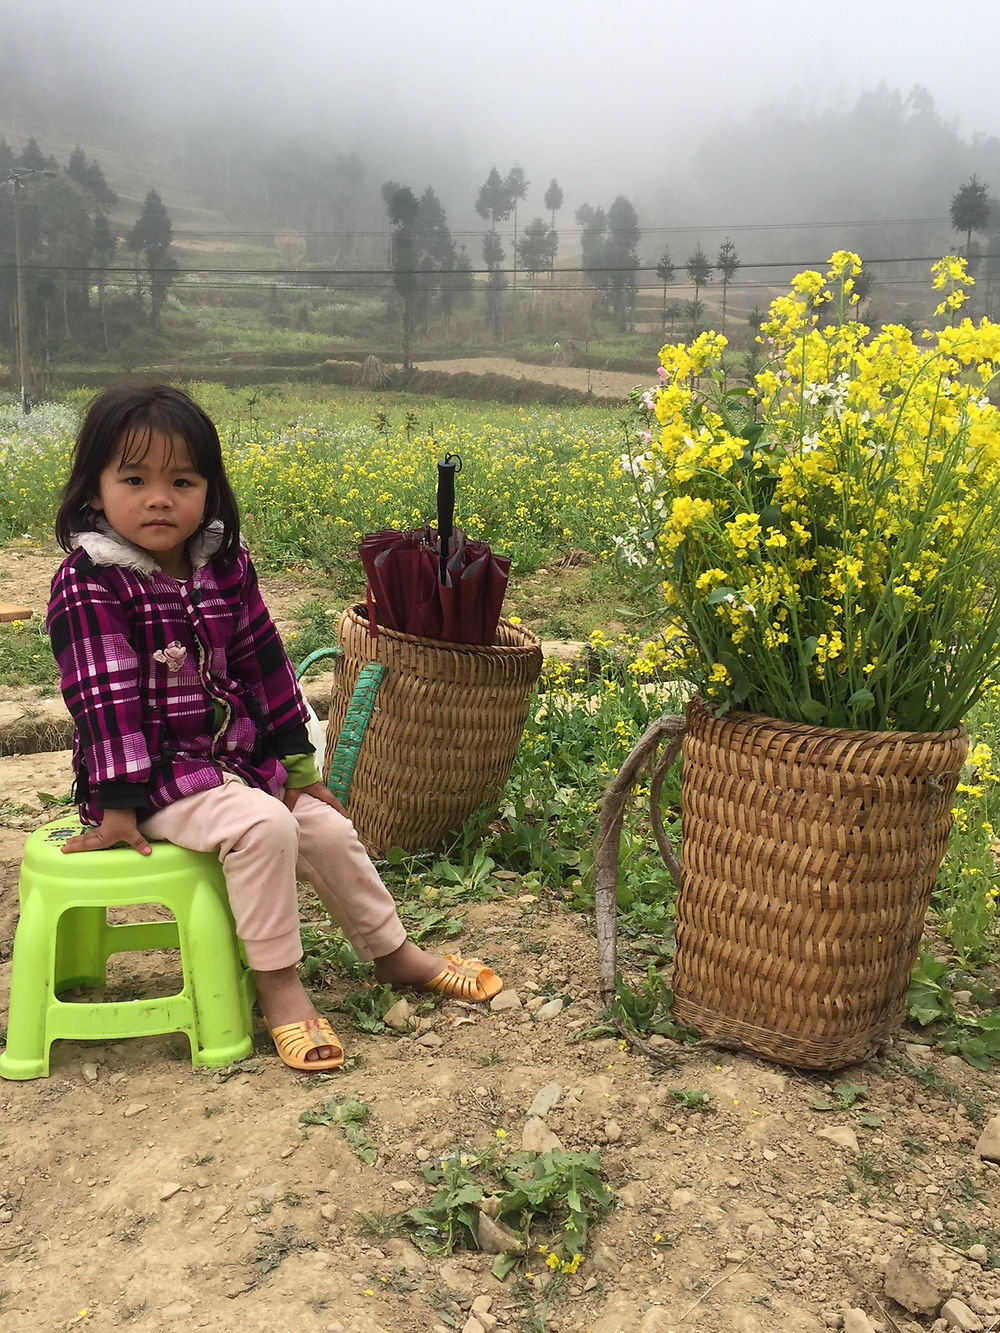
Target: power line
column 443, row 276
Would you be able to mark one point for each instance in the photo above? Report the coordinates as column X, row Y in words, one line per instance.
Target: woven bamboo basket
column 441, row 742
column 809, row 855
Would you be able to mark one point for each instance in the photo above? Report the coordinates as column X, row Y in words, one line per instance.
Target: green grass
column 25, row 655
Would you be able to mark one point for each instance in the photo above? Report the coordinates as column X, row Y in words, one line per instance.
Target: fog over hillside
column 708, row 118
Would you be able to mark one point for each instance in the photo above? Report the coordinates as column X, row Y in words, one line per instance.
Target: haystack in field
column 373, row 374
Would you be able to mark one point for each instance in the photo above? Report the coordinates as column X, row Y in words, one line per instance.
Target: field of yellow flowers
column 312, row 477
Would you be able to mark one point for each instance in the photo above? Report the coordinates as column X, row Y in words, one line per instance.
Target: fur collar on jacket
column 106, row 547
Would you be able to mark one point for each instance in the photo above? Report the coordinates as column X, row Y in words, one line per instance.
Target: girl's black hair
column 131, row 412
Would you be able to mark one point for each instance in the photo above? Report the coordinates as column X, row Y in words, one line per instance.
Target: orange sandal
column 465, row 979
column 294, row 1041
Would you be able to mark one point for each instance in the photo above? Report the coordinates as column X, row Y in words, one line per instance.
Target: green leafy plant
column 560, row 1191
column 648, row 1008
column 451, row 1219
column 425, row 922
column 367, row 1009
column 689, row 1099
column 844, row 1097
column 327, row 954
column 931, row 1003
column 350, row 1116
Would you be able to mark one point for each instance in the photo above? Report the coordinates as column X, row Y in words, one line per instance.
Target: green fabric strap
column 352, row 733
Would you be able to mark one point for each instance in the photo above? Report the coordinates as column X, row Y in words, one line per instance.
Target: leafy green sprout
column 350, row 1115
column 558, row 1190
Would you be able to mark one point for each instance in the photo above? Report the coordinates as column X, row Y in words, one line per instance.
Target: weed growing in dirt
column 914, row 1145
column 326, row 954
column 963, row 1235
column 648, row 1008
column 367, row 1009
column 844, row 1096
column 272, row 1249
column 131, row 1233
column 690, row 1099
column 966, row 1188
column 381, row 1225
column 872, row 1167
column 641, row 1012
column 350, row 1116
column 930, row 1078
column 558, row 1192
column 931, row 1002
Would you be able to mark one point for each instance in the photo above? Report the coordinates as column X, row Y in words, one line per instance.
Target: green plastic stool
column 63, row 939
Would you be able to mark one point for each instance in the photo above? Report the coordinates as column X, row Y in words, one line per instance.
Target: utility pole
column 24, row 369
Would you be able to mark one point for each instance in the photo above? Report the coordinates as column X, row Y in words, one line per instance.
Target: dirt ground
column 139, row 1193
column 601, row 383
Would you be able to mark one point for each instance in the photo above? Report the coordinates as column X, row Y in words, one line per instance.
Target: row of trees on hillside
column 428, row 271
column 56, row 234
column 426, row 266
column 699, row 269
column 534, row 251
column 71, row 250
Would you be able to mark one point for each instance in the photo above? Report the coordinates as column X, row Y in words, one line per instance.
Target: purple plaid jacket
column 169, row 683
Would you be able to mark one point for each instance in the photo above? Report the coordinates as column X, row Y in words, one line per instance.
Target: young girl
column 190, row 725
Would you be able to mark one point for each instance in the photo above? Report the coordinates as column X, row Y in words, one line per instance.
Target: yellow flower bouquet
column 829, row 537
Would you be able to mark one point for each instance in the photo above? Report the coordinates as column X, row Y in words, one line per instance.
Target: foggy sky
column 605, row 94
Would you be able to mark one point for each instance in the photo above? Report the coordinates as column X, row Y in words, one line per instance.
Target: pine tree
column 727, row 263
column 151, row 237
column 970, row 209
column 700, row 272
column 666, row 272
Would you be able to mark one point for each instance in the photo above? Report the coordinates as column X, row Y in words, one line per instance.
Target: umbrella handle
column 450, row 464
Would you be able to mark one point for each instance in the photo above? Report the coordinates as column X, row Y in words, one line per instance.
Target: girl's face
column 153, row 496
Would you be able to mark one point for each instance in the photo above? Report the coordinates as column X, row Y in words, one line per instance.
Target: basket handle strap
column 344, row 759
column 668, row 729
column 372, row 622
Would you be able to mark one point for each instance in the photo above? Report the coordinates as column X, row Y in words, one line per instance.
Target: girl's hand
column 116, row 827
column 316, row 790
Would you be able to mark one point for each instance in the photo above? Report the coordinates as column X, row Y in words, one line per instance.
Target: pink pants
column 264, row 847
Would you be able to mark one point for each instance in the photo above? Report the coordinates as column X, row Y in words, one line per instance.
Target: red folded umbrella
column 402, row 578
column 435, row 585
column 407, row 594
